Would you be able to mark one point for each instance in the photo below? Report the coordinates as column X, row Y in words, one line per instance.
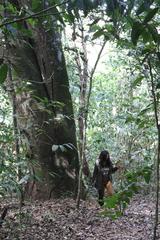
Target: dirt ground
column 59, row 219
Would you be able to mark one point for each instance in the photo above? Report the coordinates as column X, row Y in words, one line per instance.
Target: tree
column 43, row 101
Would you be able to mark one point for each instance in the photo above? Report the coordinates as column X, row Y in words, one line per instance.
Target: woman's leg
column 101, row 195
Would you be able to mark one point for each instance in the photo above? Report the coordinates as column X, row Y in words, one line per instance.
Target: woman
column 102, row 175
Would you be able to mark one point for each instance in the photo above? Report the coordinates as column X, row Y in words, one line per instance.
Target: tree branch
column 34, row 15
column 92, row 73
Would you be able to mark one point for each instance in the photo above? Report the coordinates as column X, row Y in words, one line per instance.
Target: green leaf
column 129, row 194
column 111, row 214
column 147, row 36
column 63, row 149
column 98, row 34
column 59, row 18
column 68, row 17
column 119, row 213
column 145, row 110
column 135, row 188
column 36, row 5
column 126, row 199
column 158, row 85
column 129, row 119
column 95, row 28
column 137, row 81
column 144, row 7
column 146, row 173
column 150, row 15
column 142, row 124
column 137, row 30
column 111, row 202
column 147, row 177
column 3, row 73
column 141, row 9
column 154, row 33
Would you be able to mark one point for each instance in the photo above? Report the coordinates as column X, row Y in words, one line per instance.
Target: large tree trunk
column 45, row 112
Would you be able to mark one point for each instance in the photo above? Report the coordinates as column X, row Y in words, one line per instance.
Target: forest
column 79, row 119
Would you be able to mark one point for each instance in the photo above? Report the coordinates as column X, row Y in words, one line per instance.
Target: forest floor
column 59, row 219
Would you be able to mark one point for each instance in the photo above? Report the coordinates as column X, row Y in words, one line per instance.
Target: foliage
column 3, row 73
column 8, row 159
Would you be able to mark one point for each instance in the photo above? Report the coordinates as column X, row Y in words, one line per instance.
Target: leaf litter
column 60, row 220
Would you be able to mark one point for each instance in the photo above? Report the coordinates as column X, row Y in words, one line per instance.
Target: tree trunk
column 156, row 114
column 44, row 110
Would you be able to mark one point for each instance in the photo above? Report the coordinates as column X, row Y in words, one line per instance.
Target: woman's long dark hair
column 104, row 158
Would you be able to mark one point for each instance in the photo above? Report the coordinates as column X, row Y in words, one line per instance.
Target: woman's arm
column 112, row 169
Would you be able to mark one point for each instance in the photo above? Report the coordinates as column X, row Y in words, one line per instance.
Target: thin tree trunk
column 85, row 92
column 155, row 102
column 86, row 79
column 83, row 75
column 15, row 123
column 16, row 130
